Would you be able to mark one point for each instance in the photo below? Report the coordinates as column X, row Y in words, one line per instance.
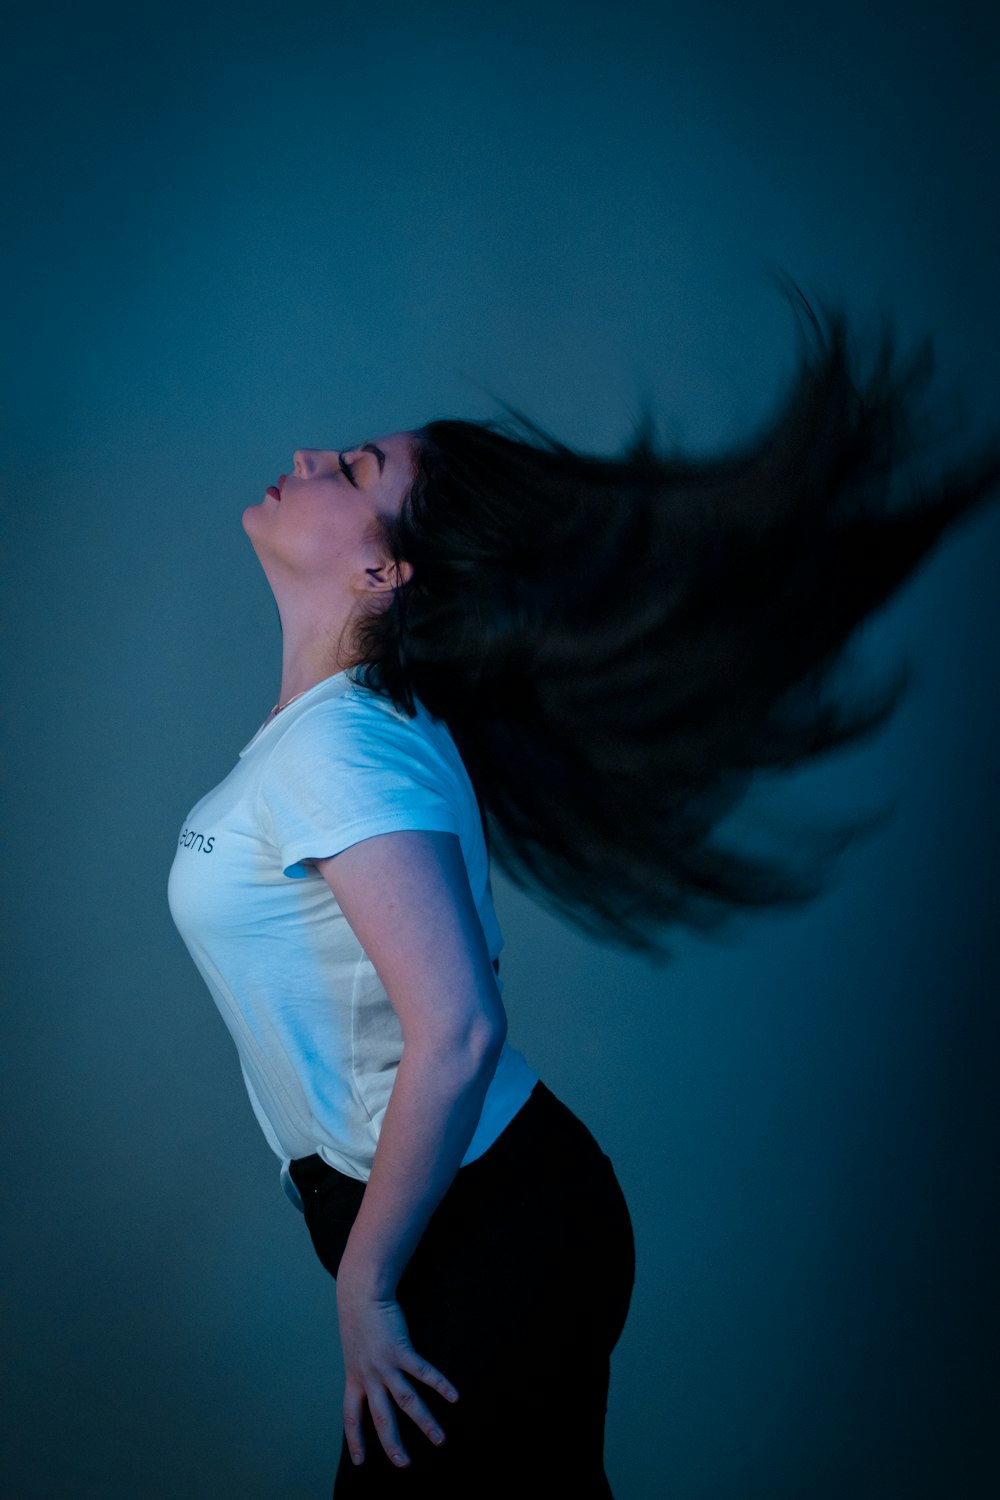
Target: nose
column 311, row 461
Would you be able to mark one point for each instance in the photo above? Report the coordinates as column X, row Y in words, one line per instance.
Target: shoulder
column 349, row 767
column 359, row 731
column 359, row 717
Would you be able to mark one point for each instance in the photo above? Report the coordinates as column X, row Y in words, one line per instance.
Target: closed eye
column 345, row 469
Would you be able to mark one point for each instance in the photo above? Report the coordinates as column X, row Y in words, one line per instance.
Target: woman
column 490, row 640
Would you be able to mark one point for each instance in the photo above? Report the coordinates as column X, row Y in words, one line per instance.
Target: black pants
column 517, row 1292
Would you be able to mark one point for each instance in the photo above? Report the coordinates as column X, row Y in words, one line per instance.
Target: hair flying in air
column 621, row 645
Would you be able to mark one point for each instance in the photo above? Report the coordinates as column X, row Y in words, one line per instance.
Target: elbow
column 488, row 1042
column 472, row 1051
column 482, row 1042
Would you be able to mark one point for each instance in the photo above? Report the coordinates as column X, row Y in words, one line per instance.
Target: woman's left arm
column 407, row 897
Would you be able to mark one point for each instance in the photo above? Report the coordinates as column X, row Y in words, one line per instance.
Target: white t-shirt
column 318, row 1039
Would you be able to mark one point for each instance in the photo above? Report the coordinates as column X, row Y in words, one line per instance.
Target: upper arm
column 406, row 895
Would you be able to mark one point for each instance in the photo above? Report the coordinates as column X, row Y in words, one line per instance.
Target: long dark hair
column 620, row 645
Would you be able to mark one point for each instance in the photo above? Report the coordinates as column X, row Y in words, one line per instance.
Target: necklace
column 279, row 705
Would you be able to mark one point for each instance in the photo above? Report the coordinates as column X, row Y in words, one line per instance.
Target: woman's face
column 318, row 522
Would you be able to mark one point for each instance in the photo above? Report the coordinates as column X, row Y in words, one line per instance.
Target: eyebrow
column 365, row 448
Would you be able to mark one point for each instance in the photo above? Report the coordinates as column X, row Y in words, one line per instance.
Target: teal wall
column 234, row 230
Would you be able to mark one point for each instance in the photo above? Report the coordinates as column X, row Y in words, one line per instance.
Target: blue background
column 231, row 231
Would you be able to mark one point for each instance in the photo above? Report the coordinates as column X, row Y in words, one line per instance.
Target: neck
column 313, row 648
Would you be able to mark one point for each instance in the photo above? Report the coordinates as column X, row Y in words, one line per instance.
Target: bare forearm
column 430, row 1119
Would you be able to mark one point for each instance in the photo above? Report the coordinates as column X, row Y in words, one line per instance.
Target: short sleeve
column 346, row 770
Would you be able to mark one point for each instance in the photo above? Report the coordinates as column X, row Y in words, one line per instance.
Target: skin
column 407, row 897
column 317, row 550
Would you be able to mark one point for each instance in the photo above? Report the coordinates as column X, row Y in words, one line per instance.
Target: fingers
column 384, row 1419
column 385, row 1425
column 409, row 1402
column 352, row 1425
column 383, row 1414
column 427, row 1373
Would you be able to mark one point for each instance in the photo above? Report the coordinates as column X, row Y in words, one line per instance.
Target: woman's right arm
column 407, row 897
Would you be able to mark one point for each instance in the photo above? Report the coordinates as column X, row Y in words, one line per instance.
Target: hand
column 377, row 1357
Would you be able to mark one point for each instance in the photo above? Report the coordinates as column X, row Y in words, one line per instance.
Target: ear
column 388, row 576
